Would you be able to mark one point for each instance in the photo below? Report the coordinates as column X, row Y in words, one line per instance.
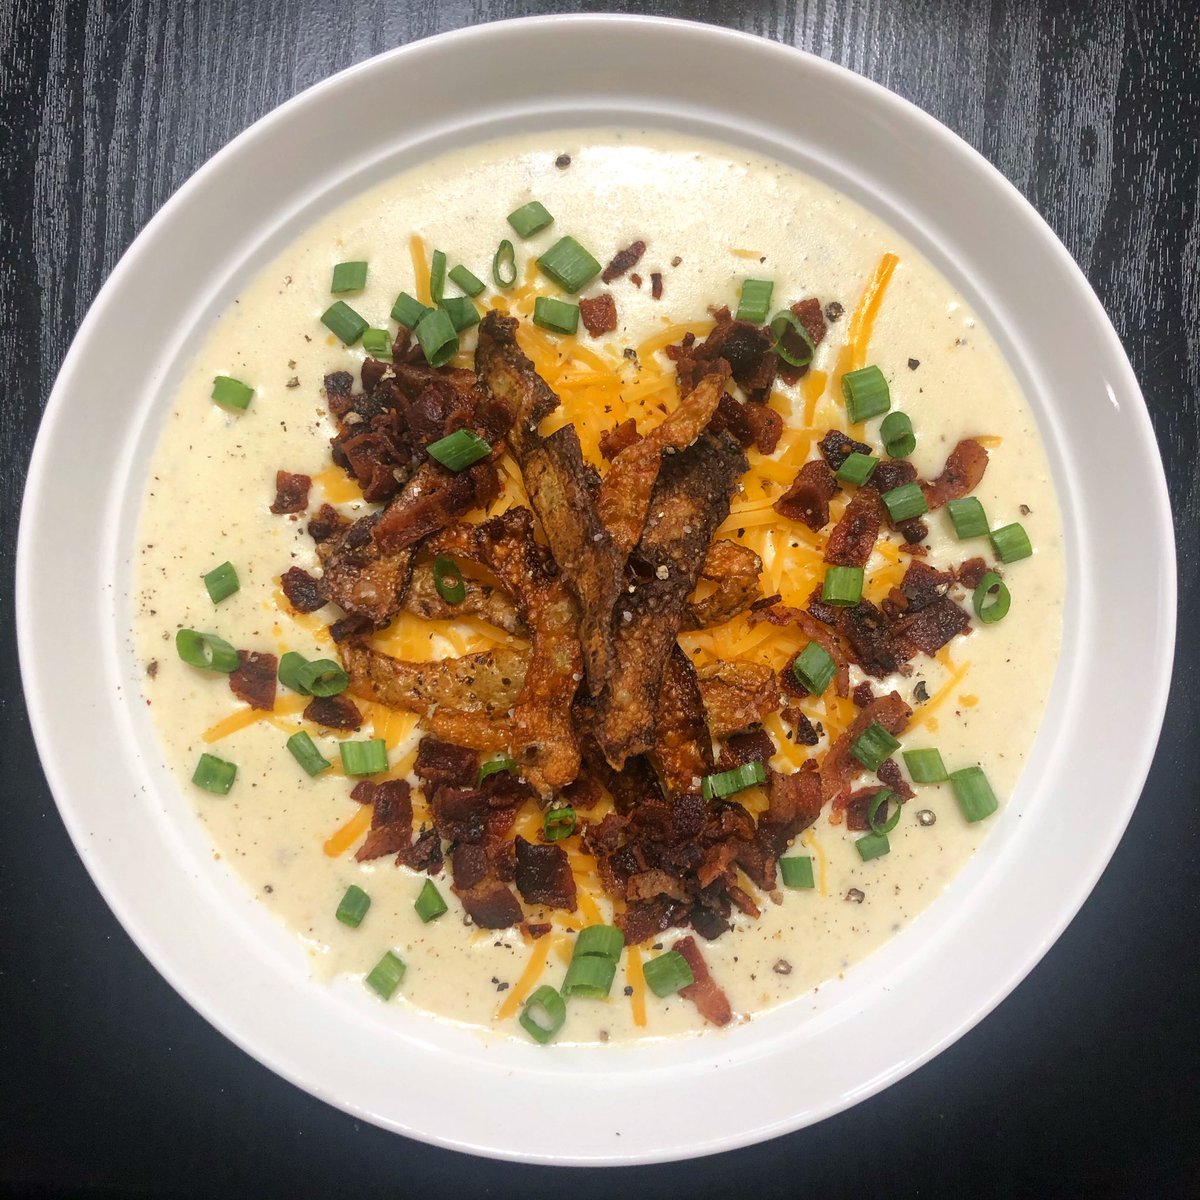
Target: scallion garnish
column 231, row 393
column 668, row 973
column 559, row 823
column 973, row 793
column 792, row 341
column 926, row 766
column 873, row 746
column 874, row 845
column 897, row 433
column 866, row 392
column 353, row 907
column 344, row 322
column 408, row 310
column 305, row 752
column 530, row 218
column 437, row 275
column 797, row 871
column 843, row 586
column 569, row 265
column 377, row 343
column 349, row 277
column 991, row 599
column 968, row 518
column 543, row 1015
column 386, row 974
column 556, row 315
column 448, row 580
column 1011, row 543
column 321, row 677
column 880, row 801
column 221, row 582
column 429, row 903
column 464, row 279
column 459, row 449
column 214, row 774
column 438, row 337
column 857, row 468
column 606, row 941
column 590, row 976
column 461, row 311
column 290, row 665
column 755, row 300
column 206, row 650
column 814, row 668
column 495, row 765
column 725, row 783
column 504, row 265
column 364, row 758
column 905, row 502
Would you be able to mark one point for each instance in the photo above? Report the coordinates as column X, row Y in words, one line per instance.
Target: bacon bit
column 636, row 280
column 971, row 573
column 441, row 762
column 741, row 748
column 853, row 537
column 599, row 315
column 793, row 804
column 808, row 498
column 327, row 524
column 862, row 695
column 305, row 593
column 333, row 712
column 960, row 476
column 291, row 492
column 808, row 313
column 855, row 806
column 391, row 820
column 703, row 992
column 802, row 727
column 425, row 854
column 839, row 769
column 623, row 260
column 535, row 929
column 544, row 875
column 253, row 681
column 889, row 775
column 836, row 447
column 656, row 286
column 619, row 438
column 766, row 426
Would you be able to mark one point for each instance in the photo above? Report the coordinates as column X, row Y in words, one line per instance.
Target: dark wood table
column 1083, row 1082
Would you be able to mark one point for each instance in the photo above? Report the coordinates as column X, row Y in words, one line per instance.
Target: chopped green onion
column 905, row 502
column 353, row 907
column 206, row 650
column 529, row 219
column 797, row 871
column 725, row 783
column 792, row 341
column 221, row 582
column 857, row 468
column 814, row 668
column 386, row 974
column 214, row 774
column 843, row 586
column 874, row 746
column 429, row 903
column 543, row 1015
column 290, row 665
column 1011, row 543
column 755, row 300
column 880, row 801
column 231, row 393
column 364, row 758
column 305, row 752
column 968, row 517
column 668, row 973
column 495, row 765
column 377, row 343
column 438, row 337
column 408, row 310
column 897, row 433
column 590, row 976
column 322, row 677
column 973, row 793
column 448, row 580
column 926, row 766
column 559, row 823
column 991, row 599
column 866, row 392
column 556, row 315
column 461, row 311
column 437, row 276
column 605, row 941
column 349, row 277
column 504, row 265
column 460, row 449
column 569, row 265
column 874, row 845
column 343, row 321
column 471, row 284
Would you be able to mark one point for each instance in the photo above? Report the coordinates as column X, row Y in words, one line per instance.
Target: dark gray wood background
column 1084, row 1082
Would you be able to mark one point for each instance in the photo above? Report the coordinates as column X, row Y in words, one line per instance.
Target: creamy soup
column 710, row 216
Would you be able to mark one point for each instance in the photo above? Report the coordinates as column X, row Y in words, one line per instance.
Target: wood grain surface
column 1081, row 1083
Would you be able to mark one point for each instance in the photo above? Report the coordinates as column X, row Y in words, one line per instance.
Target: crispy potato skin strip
column 738, row 695
column 360, row 577
column 625, row 493
column 544, row 741
column 465, row 700
column 734, row 569
column 690, row 499
column 507, row 373
column 422, row 599
column 682, row 743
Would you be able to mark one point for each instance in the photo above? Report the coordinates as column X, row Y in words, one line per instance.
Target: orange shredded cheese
column 420, row 262
column 520, row 990
column 337, row 486
column 637, row 985
column 342, row 839
column 284, row 705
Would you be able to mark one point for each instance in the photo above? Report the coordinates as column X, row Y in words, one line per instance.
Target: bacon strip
column 839, row 768
column 808, row 498
column 703, row 992
column 853, row 537
column 960, row 476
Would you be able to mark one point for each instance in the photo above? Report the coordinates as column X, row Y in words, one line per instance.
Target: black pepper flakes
column 628, row 990
column 926, row 817
column 833, row 310
column 855, row 895
column 913, row 363
column 562, row 162
column 782, row 967
column 920, row 692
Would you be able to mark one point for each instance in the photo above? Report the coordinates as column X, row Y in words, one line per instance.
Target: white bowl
column 431, row 1079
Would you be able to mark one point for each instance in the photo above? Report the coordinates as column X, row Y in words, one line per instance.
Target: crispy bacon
column 682, row 751
column 836, row 447
column 747, row 349
column 490, row 904
column 766, row 426
column 741, row 748
column 620, row 437
column 889, row 775
column 425, row 853
column 703, row 992
column 441, row 762
column 333, row 712
column 291, row 492
column 623, row 261
column 960, row 476
column 305, row 592
column 544, row 875
column 431, row 500
column 840, row 768
column 853, row 537
column 253, row 679
column 391, row 820
column 793, row 804
column 327, row 524
column 734, row 570
column 783, row 614
column 808, row 498
column 599, row 314
column 644, row 919
column 738, row 695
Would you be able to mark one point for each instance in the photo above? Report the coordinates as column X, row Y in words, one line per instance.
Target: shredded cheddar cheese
column 533, row 972
column 339, row 842
column 637, row 986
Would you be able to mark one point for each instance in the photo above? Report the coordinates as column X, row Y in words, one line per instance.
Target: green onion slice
column 991, row 599
column 973, row 793
column 897, row 433
column 290, row 665
column 429, row 903
column 843, row 586
column 879, row 801
column 377, row 343
column 364, row 758
column 437, row 275
column 206, row 650
column 797, row 871
column 668, row 973
column 968, row 518
column 214, row 774
column 462, row 278
column 495, row 765
column 322, row 677
column 543, row 1015
column 408, row 310
column 344, row 322
column 231, row 393
column 905, row 502
column 814, row 668
column 448, row 579
column 530, row 218
column 926, row 766
column 874, row 845
column 725, row 783
column 755, row 300
column 857, row 468
column 792, row 341
column 386, row 974
column 866, row 393
column 348, row 277
column 874, row 746
column 556, row 315
column 605, row 941
column 1011, row 543
column 221, row 582
column 353, row 907
column 569, row 265
column 460, row 449
column 590, row 976
column 305, row 752
column 559, row 823
column 504, row 265
column 461, row 311
column 438, row 337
